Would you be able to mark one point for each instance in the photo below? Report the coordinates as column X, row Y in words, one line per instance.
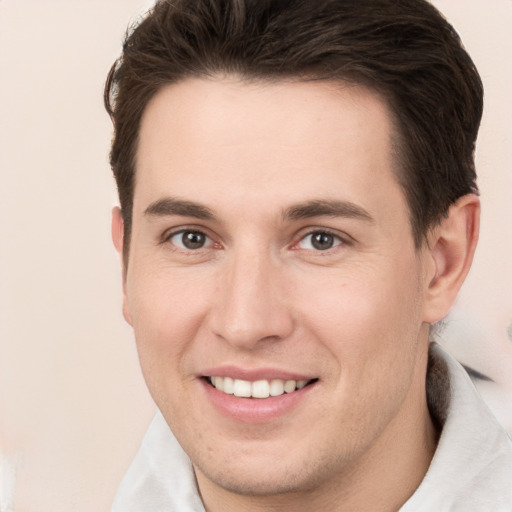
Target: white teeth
column 256, row 389
column 290, row 386
column 228, row 386
column 242, row 388
column 301, row 383
column 260, row 389
column 276, row 387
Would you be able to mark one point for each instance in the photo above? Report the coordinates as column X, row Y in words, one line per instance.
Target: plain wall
column 73, row 404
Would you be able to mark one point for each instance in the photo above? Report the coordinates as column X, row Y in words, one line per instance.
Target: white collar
column 471, row 469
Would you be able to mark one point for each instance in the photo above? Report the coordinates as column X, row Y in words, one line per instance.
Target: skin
column 258, row 294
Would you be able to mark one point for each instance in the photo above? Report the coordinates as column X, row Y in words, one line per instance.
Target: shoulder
column 472, row 465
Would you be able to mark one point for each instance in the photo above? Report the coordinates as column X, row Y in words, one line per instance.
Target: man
column 298, row 207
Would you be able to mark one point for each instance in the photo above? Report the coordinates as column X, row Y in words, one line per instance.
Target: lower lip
column 255, row 410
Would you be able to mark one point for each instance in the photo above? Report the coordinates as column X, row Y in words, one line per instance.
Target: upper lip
column 254, row 374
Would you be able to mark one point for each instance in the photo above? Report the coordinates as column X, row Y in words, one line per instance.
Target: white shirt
column 471, row 470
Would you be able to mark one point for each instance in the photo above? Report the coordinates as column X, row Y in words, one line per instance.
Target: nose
column 252, row 304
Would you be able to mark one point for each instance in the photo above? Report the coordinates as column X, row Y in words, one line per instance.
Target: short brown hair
column 403, row 49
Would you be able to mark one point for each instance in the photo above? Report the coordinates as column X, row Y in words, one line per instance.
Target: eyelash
column 167, row 236
column 338, row 240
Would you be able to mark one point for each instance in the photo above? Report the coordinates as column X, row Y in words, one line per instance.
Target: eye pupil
column 322, row 241
column 193, row 239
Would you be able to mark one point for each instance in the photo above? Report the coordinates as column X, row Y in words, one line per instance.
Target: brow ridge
column 327, row 207
column 168, row 206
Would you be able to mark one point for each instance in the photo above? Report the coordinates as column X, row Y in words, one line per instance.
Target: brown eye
column 190, row 240
column 322, row 241
column 319, row 241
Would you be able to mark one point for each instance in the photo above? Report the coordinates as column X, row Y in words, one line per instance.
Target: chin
column 268, row 472
column 248, row 482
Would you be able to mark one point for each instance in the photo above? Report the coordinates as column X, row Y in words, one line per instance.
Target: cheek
column 362, row 300
column 368, row 318
column 372, row 328
column 166, row 314
column 165, row 301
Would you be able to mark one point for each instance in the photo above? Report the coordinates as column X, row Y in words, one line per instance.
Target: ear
column 118, row 229
column 118, row 239
column 451, row 246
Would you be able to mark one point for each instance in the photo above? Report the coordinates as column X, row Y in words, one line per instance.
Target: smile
column 256, row 389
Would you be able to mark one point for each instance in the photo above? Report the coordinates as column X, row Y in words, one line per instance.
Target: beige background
column 73, row 405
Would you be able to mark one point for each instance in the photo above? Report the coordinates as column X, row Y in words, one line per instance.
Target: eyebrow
column 169, row 206
column 327, row 207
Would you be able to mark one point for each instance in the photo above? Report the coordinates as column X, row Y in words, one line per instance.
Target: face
column 273, row 285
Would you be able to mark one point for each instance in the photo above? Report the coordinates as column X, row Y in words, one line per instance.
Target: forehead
column 280, row 142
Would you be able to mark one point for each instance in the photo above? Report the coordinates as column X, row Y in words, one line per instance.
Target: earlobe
column 118, row 240
column 452, row 245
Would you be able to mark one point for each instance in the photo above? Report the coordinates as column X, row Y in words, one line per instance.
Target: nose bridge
column 252, row 305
